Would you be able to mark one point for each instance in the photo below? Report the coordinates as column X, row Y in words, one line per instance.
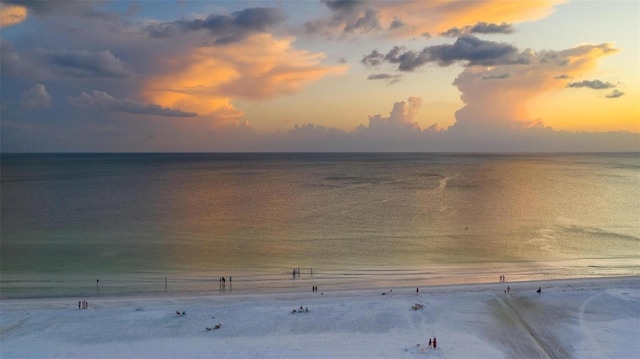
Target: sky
column 318, row 76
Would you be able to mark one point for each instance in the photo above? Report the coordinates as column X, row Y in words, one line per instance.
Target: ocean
column 87, row 225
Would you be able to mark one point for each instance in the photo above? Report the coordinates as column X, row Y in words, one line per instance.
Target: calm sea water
column 346, row 220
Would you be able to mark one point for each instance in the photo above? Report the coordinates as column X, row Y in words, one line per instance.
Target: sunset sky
column 445, row 76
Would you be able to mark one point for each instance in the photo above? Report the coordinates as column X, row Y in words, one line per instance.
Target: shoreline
column 259, row 283
column 581, row 318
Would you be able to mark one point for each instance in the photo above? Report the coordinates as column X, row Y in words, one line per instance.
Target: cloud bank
column 99, row 100
column 223, row 29
column 417, row 18
column 104, row 79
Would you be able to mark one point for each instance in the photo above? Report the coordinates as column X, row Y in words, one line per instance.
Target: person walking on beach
column 429, row 343
column 435, row 343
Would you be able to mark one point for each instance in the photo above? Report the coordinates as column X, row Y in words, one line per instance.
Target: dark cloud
column 40, row 64
column 99, row 100
column 615, row 94
column 224, row 28
column 479, row 28
column 453, row 32
column 486, row 28
column 554, row 58
column 391, row 78
column 475, row 52
column 562, row 77
column 503, row 76
column 396, row 24
column 348, row 17
column 468, row 49
column 368, row 21
column 343, row 5
column 375, row 58
column 592, row 84
column 85, row 64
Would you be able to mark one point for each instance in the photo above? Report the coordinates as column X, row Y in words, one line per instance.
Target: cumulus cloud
column 467, row 49
column 208, row 78
column 505, row 102
column 12, row 14
column 36, row 97
column 223, row 29
column 99, row 100
column 400, row 118
column 592, row 84
column 399, row 132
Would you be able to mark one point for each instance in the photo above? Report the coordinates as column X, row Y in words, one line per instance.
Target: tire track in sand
column 543, row 351
column 592, row 343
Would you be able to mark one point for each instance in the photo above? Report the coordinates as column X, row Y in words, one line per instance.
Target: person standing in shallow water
column 435, row 342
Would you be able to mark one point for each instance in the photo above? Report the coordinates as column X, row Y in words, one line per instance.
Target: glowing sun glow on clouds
column 261, row 67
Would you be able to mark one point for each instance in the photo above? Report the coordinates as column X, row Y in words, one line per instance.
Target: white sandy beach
column 582, row 318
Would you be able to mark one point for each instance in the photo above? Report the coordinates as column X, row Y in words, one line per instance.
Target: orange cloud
column 209, row 78
column 415, row 18
column 503, row 94
column 12, row 15
column 438, row 16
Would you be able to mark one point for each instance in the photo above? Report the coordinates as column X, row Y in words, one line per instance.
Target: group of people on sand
column 433, row 343
column 223, row 281
column 301, row 310
column 83, row 304
column 502, row 278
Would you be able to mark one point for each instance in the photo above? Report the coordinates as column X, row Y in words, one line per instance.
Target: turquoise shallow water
column 359, row 220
